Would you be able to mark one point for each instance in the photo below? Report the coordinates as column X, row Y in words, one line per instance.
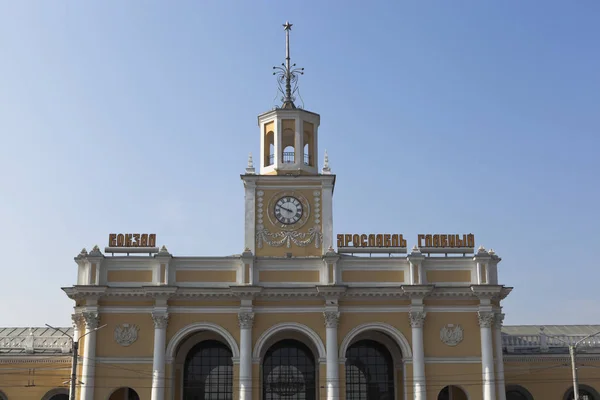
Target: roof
column 551, row 330
column 35, row 341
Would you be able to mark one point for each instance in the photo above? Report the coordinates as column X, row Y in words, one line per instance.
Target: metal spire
column 287, row 75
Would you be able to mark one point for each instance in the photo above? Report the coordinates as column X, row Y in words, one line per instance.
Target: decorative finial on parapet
column 415, row 249
column 250, row 168
column 96, row 252
column 491, row 252
column 82, row 254
column 481, row 250
column 163, row 251
column 326, row 170
column 287, row 75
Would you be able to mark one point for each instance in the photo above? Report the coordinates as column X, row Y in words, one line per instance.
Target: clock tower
column 288, row 204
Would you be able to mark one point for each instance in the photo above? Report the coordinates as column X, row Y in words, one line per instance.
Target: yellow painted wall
column 142, row 347
column 16, row 377
column 111, row 377
column 272, row 226
column 373, row 276
column 288, row 276
column 129, row 276
column 205, row 276
column 465, row 376
column 435, row 321
column 448, row 276
column 551, row 380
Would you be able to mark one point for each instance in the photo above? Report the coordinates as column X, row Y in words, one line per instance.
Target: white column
column 77, row 320
column 89, row 355
column 246, row 321
column 486, row 321
column 417, row 320
column 499, row 319
column 299, row 144
column 158, row 362
column 333, row 375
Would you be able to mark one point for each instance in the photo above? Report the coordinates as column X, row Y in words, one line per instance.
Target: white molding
column 286, row 309
column 183, row 333
column 124, row 360
column 289, row 326
column 394, row 333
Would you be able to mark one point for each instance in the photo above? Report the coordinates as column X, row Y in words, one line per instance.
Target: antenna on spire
column 287, row 75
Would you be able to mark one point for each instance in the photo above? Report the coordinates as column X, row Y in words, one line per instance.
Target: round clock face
column 288, row 210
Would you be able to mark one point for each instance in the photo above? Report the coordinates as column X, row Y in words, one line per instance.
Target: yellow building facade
column 302, row 313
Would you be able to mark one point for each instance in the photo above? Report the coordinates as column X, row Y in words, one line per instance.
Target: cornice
column 21, row 359
column 317, row 291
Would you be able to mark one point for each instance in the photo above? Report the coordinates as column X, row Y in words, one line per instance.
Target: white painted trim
column 124, row 360
column 275, row 310
column 183, row 333
column 394, row 333
column 289, row 326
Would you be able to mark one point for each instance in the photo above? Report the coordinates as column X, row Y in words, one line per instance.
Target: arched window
column 516, row 392
column 585, row 393
column 208, row 372
column 369, row 372
column 289, row 372
column 3, row 396
column 124, row 393
column 57, row 394
column 452, row 392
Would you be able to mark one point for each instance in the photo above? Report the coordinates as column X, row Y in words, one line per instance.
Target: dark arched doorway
column 208, row 372
column 517, row 392
column 585, row 393
column 124, row 393
column 452, row 392
column 369, row 371
column 289, row 372
column 57, row 394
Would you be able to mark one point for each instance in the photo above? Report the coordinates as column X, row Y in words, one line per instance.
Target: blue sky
column 462, row 116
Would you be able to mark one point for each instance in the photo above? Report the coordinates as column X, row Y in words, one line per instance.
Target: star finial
column 287, row 73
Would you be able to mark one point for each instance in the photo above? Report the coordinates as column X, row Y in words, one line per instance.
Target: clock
column 288, row 210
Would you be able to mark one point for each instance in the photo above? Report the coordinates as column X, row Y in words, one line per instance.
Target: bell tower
column 288, row 143
column 288, row 204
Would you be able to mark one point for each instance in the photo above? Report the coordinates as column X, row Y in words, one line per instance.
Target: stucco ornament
column 451, row 334
column 126, row 334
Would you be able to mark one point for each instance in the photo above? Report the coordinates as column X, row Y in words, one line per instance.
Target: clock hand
column 287, row 209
